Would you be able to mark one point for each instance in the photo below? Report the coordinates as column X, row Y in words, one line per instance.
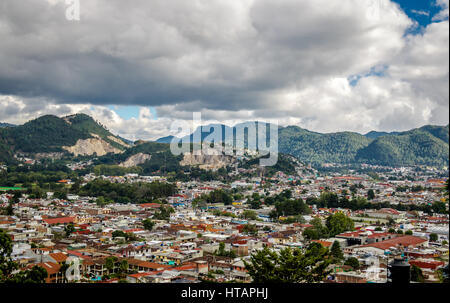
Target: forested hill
column 312, row 147
column 49, row 133
column 423, row 146
column 2, row 125
column 428, row 145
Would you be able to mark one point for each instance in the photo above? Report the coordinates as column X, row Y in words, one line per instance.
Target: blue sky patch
column 128, row 112
column 421, row 11
column 125, row 112
column 377, row 71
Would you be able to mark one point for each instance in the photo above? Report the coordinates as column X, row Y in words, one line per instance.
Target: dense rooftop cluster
column 208, row 230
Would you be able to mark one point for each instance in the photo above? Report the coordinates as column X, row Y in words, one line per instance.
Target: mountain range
column 81, row 135
column 428, row 145
column 3, row 125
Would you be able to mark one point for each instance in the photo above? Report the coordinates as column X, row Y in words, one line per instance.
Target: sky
column 323, row 65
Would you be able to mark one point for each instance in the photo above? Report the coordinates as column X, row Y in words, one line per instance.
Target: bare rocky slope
column 135, row 160
column 209, row 158
column 92, row 146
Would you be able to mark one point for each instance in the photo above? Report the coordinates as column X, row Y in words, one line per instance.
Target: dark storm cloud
column 230, row 59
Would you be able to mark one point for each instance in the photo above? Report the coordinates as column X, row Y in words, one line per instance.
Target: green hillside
column 162, row 158
column 416, row 147
column 6, row 153
column 86, row 124
column 50, row 133
column 314, row 147
column 428, row 145
column 44, row 134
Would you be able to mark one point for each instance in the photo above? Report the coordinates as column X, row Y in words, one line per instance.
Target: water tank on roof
column 399, row 271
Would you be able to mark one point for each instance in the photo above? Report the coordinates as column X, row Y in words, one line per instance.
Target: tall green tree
column 7, row 266
column 69, row 229
column 36, row 274
column 317, row 231
column 148, row 224
column 433, row 237
column 336, row 251
column 110, row 264
column 339, row 223
column 370, row 194
column 439, row 207
column 353, row 262
column 417, row 274
column 289, row 265
column 249, row 214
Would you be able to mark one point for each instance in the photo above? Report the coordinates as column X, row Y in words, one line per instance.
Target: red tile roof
column 324, row 243
column 353, row 234
column 378, row 235
column 59, row 257
column 50, row 267
column 133, row 230
column 404, row 241
column 78, row 254
column 431, row 264
column 61, row 220
column 390, row 211
column 184, row 267
column 150, row 205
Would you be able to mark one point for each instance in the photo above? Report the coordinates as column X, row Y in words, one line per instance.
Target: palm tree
column 123, row 268
column 62, row 271
column 110, row 264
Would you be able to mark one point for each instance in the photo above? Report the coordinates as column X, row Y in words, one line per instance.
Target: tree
column 9, row 211
column 249, row 214
column 339, row 223
column 255, row 204
column 439, row 207
column 61, row 195
column 224, row 253
column 408, row 232
column 69, row 229
column 417, row 274
column 336, row 251
column 123, row 266
column 433, row 237
column 7, row 265
column 101, row 201
column 110, row 263
column 219, row 196
column 391, row 221
column 378, row 228
column 148, row 224
column 250, row 229
column 118, row 233
column 391, row 230
column 36, row 274
column 163, row 213
column 353, row 262
column 221, row 250
column 317, row 231
column 289, row 265
column 370, row 194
